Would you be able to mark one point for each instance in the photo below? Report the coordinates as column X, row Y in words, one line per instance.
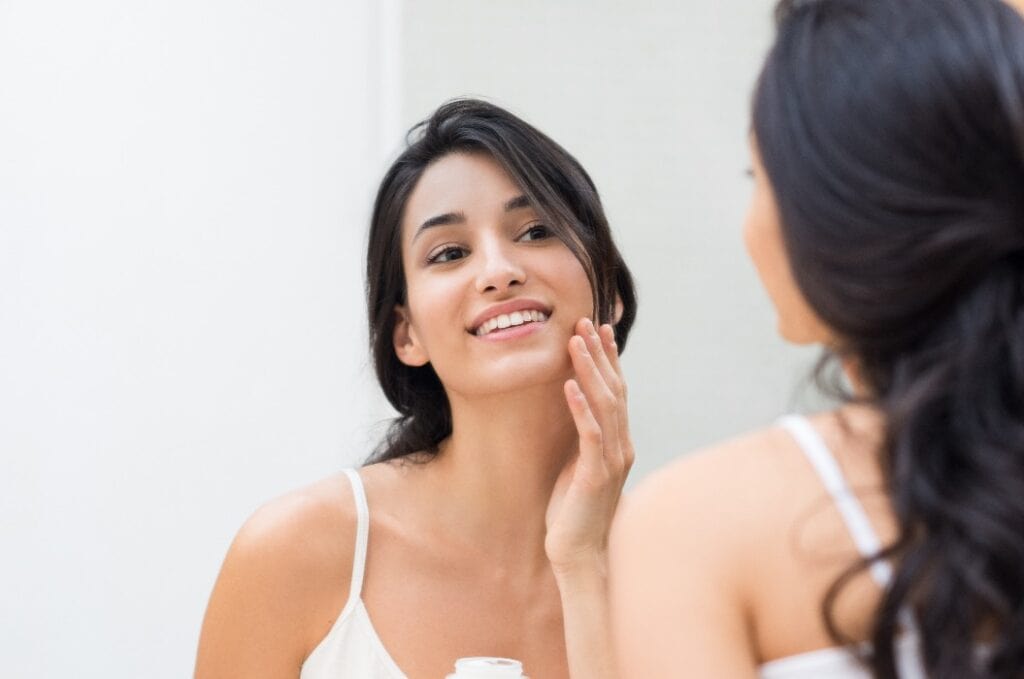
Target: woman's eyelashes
column 447, row 253
column 536, row 232
column 452, row 252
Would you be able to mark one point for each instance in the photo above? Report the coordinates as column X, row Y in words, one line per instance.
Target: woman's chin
column 514, row 374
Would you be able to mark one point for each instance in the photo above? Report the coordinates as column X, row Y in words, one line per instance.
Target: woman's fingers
column 591, row 436
column 592, row 383
column 601, row 343
column 602, row 402
column 598, row 349
column 587, row 490
column 611, row 349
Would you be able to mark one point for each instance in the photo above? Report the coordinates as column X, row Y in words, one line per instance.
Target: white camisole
column 352, row 648
column 840, row 663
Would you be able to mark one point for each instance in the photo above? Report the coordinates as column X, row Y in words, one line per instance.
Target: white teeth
column 508, row 320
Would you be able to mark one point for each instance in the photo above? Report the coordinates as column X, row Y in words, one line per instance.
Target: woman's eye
column 448, row 254
column 537, row 232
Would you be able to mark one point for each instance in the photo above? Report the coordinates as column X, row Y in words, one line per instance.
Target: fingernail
column 591, row 329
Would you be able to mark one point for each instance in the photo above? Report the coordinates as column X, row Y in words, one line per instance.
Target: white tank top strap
column 850, row 508
column 362, row 534
column 868, row 545
column 352, row 647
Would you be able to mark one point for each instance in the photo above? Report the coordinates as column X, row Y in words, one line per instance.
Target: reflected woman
column 497, row 306
column 885, row 538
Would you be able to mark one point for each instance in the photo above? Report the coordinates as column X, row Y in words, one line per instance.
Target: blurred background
column 184, row 193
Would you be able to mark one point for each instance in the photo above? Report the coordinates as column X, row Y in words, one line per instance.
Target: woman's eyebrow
column 440, row 220
column 517, row 203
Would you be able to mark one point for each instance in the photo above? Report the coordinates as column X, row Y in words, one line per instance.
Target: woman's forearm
column 586, row 615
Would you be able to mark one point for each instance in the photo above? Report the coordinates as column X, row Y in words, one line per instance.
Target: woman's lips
column 503, row 321
column 508, row 313
column 512, row 332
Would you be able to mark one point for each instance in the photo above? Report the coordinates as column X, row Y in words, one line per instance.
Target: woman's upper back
column 743, row 542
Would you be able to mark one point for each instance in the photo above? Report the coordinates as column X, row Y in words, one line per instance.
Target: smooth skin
column 721, row 561
column 498, row 546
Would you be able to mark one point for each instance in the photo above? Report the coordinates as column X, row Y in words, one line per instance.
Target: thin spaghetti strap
column 854, row 517
column 856, row 520
column 362, row 534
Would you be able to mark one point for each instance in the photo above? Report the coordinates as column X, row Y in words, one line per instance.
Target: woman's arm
column 585, row 497
column 278, row 590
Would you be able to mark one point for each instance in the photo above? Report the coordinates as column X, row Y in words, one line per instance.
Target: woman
column 479, row 527
column 887, row 224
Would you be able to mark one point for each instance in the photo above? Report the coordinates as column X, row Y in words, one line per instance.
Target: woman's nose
column 500, row 269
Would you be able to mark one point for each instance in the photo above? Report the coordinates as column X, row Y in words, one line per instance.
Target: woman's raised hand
column 587, row 492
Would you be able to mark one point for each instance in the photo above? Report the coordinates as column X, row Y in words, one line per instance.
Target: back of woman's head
column 557, row 187
column 892, row 132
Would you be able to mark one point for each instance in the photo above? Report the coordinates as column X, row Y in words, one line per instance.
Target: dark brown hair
column 559, row 189
column 893, row 134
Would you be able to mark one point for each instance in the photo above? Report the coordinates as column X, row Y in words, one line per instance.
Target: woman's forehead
column 461, row 185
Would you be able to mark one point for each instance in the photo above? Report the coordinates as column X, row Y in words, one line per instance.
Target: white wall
column 653, row 98
column 184, row 187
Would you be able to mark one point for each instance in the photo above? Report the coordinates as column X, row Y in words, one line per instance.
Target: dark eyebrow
column 440, row 220
column 517, row 203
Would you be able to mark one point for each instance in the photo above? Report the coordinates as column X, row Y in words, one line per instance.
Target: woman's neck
column 492, row 479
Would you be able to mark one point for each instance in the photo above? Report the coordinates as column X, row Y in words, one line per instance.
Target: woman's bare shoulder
column 723, row 481
column 740, row 499
column 681, row 547
column 716, row 544
column 724, row 504
column 303, row 523
column 283, row 582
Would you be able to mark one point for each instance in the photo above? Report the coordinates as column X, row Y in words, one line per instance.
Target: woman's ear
column 619, row 309
column 407, row 345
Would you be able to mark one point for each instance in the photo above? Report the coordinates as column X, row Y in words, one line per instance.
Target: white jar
column 488, row 668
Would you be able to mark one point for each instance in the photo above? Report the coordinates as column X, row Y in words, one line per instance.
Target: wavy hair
column 559, row 189
column 892, row 132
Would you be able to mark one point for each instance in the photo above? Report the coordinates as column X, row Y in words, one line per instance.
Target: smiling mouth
column 514, row 319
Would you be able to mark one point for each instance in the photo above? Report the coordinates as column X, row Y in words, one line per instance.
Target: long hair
column 559, row 189
column 893, row 134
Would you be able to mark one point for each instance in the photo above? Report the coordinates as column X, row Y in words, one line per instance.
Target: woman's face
column 762, row 233
column 492, row 295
